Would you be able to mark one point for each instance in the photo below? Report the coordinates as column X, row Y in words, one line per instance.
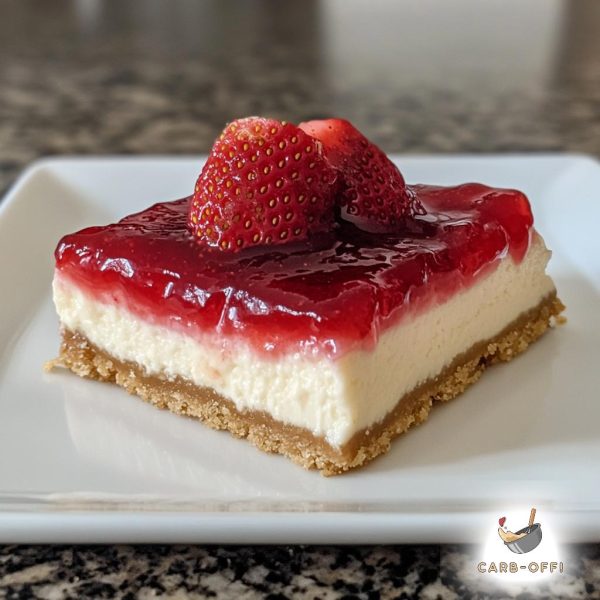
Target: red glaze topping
column 330, row 293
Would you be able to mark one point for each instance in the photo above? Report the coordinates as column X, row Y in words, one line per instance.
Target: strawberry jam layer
column 332, row 293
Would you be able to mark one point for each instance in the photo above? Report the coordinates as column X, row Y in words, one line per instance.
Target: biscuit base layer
column 311, row 452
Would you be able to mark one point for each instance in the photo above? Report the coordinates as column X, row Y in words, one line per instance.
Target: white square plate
column 84, row 461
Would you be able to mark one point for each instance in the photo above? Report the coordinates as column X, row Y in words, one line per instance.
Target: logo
column 498, row 554
column 523, row 541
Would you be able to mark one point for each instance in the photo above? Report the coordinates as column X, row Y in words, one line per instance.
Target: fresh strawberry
column 372, row 192
column 265, row 182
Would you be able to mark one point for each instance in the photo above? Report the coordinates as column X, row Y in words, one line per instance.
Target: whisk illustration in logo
column 545, row 556
column 523, row 541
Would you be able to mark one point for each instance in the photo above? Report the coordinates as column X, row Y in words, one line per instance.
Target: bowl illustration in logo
column 529, row 541
column 524, row 540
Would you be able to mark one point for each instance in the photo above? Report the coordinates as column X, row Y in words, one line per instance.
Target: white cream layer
column 331, row 398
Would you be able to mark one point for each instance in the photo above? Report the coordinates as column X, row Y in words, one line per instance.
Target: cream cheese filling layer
column 333, row 399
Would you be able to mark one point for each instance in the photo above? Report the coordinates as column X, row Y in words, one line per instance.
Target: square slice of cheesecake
column 323, row 349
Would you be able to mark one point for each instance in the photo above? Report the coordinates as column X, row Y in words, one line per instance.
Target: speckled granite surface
column 370, row 573
column 87, row 77
column 101, row 79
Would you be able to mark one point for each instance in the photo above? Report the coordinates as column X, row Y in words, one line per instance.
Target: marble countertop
column 140, row 77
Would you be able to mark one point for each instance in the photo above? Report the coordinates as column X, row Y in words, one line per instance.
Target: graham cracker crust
column 311, row 452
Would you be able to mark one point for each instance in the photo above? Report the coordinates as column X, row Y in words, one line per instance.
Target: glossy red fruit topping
column 265, row 182
column 372, row 194
column 501, row 521
column 330, row 293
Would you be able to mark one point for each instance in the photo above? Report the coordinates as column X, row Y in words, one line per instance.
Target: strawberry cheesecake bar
column 304, row 296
